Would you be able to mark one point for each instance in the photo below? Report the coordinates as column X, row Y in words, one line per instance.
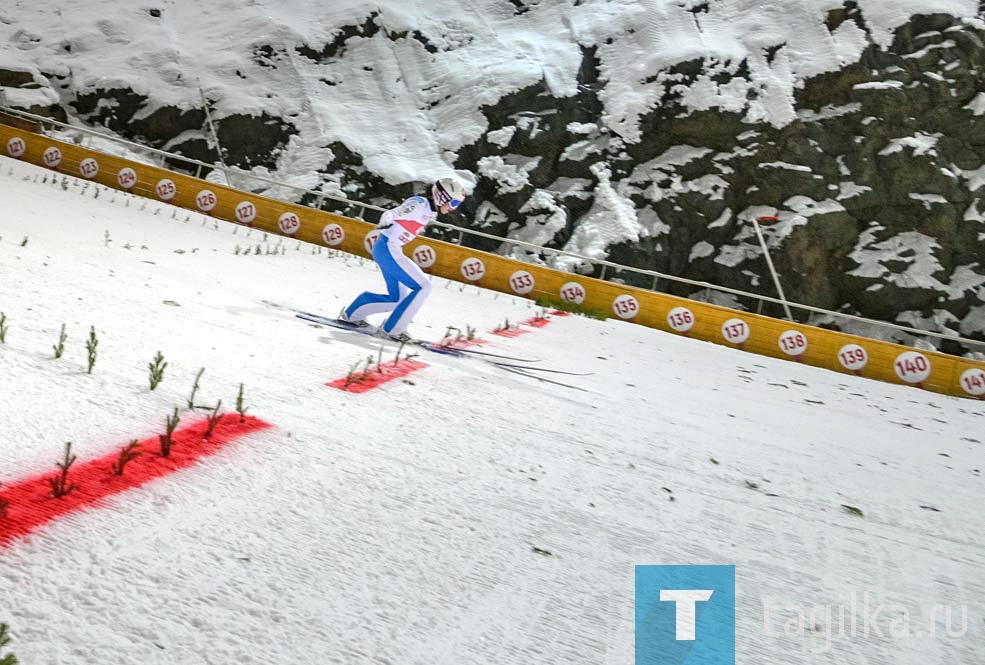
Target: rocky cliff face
column 878, row 182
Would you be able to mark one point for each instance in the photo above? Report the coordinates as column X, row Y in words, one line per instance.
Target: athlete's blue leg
column 369, row 303
column 419, row 287
column 401, row 317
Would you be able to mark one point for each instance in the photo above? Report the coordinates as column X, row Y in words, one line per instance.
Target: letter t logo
column 686, row 615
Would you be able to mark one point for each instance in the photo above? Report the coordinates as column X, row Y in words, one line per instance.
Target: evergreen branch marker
column 59, row 484
column 60, row 347
column 350, row 378
column 468, row 334
column 4, row 505
column 3, row 328
column 156, row 368
column 409, row 355
column 214, row 419
column 127, row 454
column 240, row 408
column 91, row 345
column 9, row 659
column 191, row 398
column 166, row 440
column 853, row 510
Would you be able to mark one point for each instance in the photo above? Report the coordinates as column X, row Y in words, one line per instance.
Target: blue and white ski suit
column 407, row 285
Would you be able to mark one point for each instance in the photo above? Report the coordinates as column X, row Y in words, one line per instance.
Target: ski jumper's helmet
column 448, row 191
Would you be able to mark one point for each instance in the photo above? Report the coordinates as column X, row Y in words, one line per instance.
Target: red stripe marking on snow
column 376, row 376
column 510, row 332
column 536, row 322
column 558, row 312
column 452, row 343
column 31, row 505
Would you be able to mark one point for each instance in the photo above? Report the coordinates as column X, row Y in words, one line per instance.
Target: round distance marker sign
column 736, row 331
column 473, row 269
column 127, row 178
column 912, row 367
column 522, row 282
column 333, row 235
column 165, row 189
column 424, row 256
column 246, row 212
column 289, row 223
column 88, row 167
column 16, row 147
column 370, row 240
column 626, row 306
column 853, row 357
column 973, row 382
column 206, row 200
column 793, row 343
column 681, row 319
column 573, row 292
column 52, row 157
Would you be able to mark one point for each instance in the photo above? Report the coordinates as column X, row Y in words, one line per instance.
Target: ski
column 521, row 371
column 504, row 362
column 488, row 354
column 370, row 331
column 541, row 369
column 434, row 347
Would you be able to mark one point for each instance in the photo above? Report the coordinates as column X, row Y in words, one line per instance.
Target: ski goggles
column 444, row 198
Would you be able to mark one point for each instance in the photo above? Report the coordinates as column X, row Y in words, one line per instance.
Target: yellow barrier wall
column 762, row 335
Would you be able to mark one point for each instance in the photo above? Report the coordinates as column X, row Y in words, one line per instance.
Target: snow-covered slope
column 465, row 514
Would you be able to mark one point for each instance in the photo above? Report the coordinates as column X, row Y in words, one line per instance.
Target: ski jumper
column 407, row 285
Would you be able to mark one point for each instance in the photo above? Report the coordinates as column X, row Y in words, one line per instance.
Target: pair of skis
column 512, row 364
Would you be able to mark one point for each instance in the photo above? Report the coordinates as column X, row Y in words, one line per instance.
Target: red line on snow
column 376, row 376
column 510, row 332
column 31, row 505
column 536, row 322
column 453, row 343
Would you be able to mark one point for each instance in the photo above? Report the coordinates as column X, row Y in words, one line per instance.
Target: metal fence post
column 769, row 262
column 215, row 136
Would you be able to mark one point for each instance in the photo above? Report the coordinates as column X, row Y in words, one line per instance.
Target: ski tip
column 438, row 348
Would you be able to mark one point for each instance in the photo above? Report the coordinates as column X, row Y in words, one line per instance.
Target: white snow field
column 465, row 514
